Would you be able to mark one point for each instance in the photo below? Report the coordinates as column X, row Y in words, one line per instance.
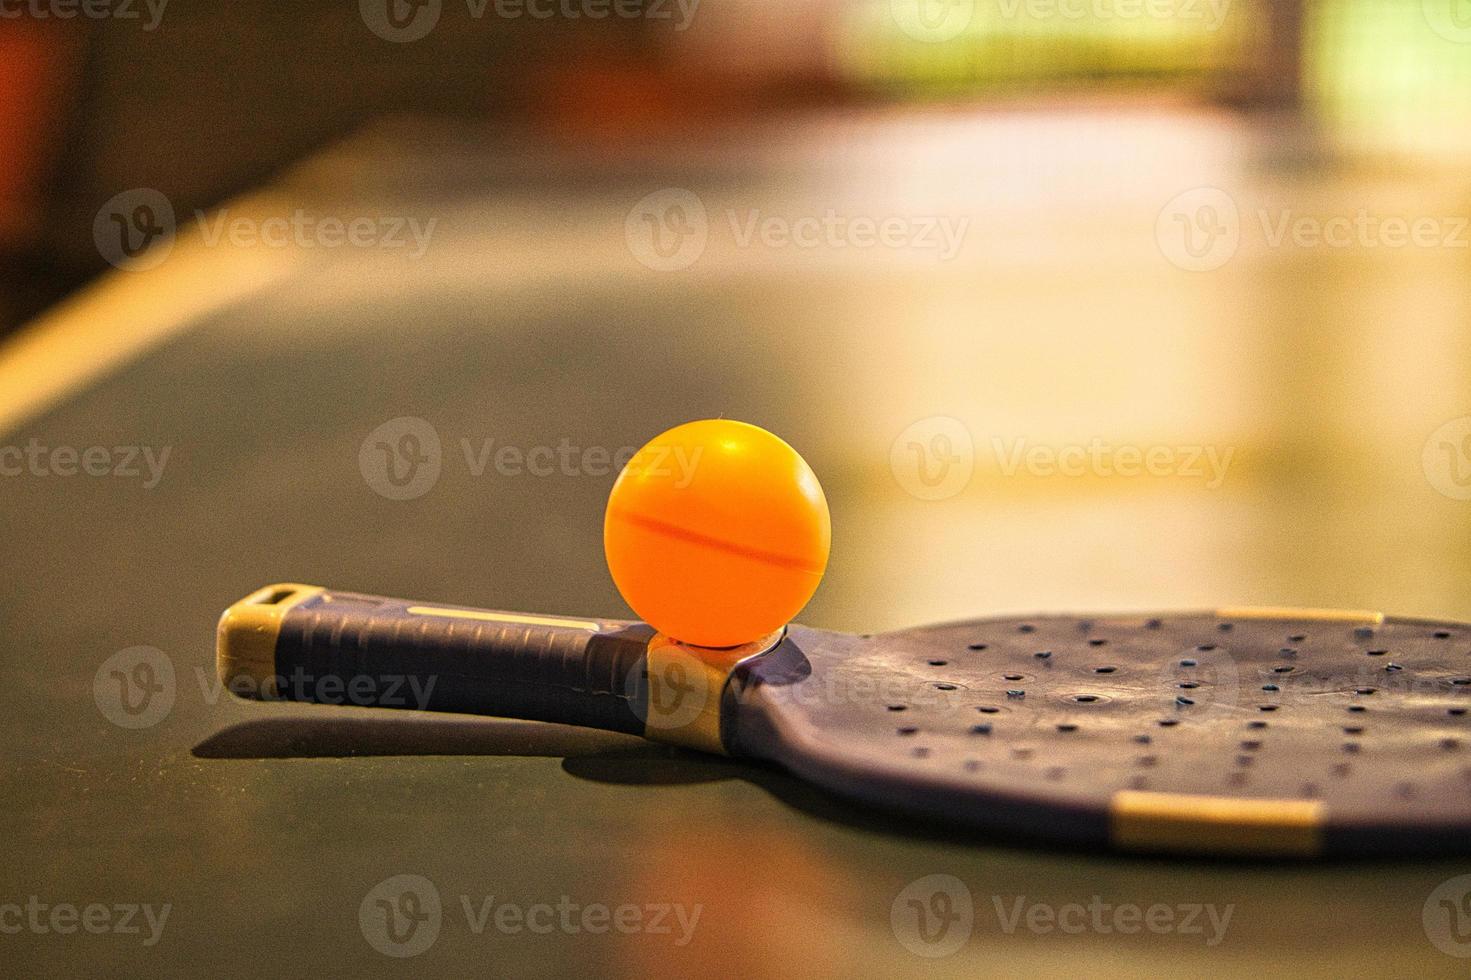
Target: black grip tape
column 345, row 648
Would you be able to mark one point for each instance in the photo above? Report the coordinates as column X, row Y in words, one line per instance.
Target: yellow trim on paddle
column 687, row 686
column 245, row 641
column 1179, row 822
column 514, row 619
column 1289, row 612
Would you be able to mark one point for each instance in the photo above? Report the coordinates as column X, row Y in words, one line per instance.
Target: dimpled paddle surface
column 1035, row 726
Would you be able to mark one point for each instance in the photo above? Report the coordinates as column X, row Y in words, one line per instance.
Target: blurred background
column 1188, row 226
column 1071, row 304
column 203, row 100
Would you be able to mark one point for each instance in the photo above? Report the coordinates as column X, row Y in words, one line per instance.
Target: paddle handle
column 305, row 643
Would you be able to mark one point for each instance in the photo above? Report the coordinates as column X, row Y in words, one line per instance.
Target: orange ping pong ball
column 717, row 533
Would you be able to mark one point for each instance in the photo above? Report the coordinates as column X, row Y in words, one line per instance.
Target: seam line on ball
column 695, row 537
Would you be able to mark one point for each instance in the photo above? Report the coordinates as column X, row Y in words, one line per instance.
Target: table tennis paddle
column 1260, row 732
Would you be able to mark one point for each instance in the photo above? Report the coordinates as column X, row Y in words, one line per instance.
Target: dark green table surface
column 265, row 828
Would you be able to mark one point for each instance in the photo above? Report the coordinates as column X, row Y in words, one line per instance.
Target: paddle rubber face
column 1197, row 733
